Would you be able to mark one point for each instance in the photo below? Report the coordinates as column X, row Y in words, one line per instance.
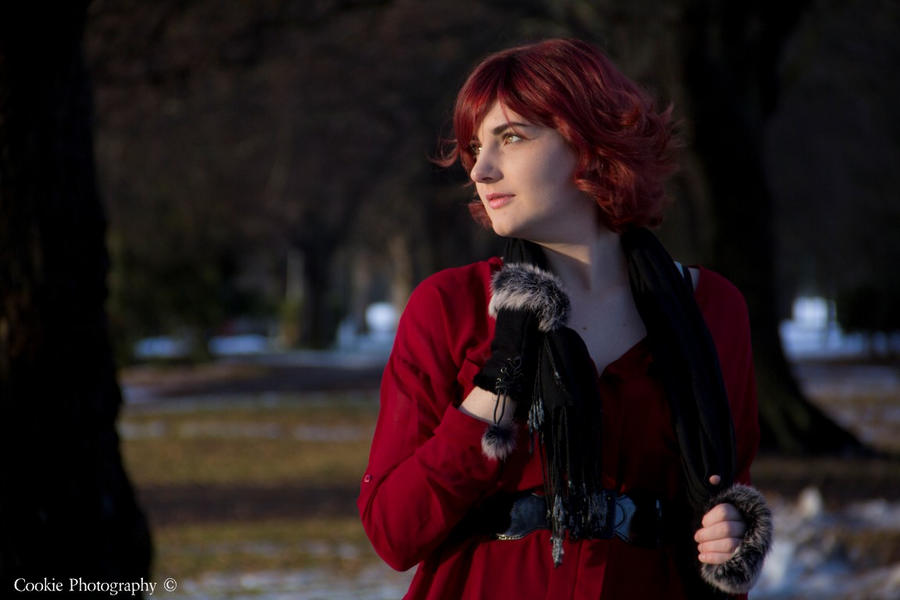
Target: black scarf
column 565, row 409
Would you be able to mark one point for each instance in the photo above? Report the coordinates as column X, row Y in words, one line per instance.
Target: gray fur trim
column 521, row 286
column 498, row 441
column 738, row 574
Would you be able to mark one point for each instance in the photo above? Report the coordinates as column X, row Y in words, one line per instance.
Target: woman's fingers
column 723, row 546
column 721, row 512
column 714, row 558
column 721, row 534
column 720, row 530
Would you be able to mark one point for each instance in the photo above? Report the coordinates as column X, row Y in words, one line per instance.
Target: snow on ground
column 825, row 555
column 373, row 583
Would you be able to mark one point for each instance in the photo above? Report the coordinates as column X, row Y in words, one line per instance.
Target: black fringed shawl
column 565, row 410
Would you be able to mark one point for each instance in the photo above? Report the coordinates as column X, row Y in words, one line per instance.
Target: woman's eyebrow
column 501, row 128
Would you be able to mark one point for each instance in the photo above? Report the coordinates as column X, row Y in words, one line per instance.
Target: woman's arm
column 736, row 532
column 426, row 466
column 723, row 527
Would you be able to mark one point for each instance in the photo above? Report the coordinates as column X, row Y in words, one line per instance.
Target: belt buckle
column 624, row 514
column 645, row 531
column 526, row 514
column 602, row 524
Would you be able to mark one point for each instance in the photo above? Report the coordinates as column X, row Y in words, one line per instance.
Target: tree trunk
column 730, row 55
column 67, row 508
column 317, row 323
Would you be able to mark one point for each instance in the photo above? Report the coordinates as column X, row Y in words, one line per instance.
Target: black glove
column 510, row 371
column 527, row 302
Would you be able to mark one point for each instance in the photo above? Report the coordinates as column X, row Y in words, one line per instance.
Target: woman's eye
column 475, row 148
column 511, row 137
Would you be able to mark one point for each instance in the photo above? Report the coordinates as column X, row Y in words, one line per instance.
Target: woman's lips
column 499, row 200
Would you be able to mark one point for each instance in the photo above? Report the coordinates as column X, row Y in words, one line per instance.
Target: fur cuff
column 738, row 574
column 520, row 286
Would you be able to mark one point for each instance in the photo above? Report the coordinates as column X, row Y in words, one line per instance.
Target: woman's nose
column 485, row 169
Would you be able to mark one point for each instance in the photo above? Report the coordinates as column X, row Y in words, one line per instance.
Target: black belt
column 637, row 520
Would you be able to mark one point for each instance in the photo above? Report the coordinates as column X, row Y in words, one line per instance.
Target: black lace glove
column 527, row 302
column 510, row 370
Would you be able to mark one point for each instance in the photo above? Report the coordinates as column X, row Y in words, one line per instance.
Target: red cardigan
column 426, row 467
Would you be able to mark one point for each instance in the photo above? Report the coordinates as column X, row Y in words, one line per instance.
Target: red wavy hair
column 625, row 146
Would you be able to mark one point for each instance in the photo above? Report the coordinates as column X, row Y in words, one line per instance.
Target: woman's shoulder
column 447, row 312
column 452, row 295
column 724, row 309
column 457, row 285
column 715, row 289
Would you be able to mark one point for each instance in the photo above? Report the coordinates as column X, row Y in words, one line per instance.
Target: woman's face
column 524, row 177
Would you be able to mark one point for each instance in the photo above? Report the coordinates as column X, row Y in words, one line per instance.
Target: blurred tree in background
column 67, row 507
column 832, row 154
column 271, row 157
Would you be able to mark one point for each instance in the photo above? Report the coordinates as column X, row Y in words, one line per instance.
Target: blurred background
column 260, row 175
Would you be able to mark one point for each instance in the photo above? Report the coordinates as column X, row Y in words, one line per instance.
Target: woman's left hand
column 721, row 534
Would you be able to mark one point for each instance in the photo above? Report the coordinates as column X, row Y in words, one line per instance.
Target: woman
column 576, row 419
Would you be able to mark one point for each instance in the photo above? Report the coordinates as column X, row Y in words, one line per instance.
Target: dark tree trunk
column 318, row 315
column 67, row 508
column 731, row 51
column 317, row 327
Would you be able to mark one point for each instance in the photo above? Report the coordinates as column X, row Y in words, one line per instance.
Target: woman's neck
column 594, row 264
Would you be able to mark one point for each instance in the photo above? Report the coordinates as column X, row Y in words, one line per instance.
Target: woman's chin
column 504, row 229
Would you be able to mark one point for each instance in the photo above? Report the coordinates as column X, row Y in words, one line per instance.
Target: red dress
column 426, row 468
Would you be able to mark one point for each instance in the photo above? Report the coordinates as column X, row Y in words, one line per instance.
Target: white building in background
column 814, row 332
column 381, row 325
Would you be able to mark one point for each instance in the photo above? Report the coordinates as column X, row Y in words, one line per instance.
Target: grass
column 258, row 443
column 338, row 545
column 255, row 461
column 314, row 443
